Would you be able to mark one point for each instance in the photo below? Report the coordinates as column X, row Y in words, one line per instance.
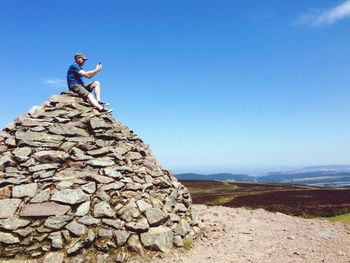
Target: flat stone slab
column 8, row 207
column 57, row 222
column 13, row 223
column 76, row 228
column 41, row 167
column 42, row 196
column 24, row 190
column 83, row 209
column 8, row 238
column 22, row 154
column 98, row 123
column 100, row 179
column 103, row 209
column 70, row 196
column 44, row 209
column 51, row 156
column 100, row 162
column 37, row 136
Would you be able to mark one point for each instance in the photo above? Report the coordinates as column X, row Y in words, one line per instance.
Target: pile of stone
column 72, row 178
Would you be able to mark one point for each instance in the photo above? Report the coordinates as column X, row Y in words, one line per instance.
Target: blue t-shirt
column 73, row 77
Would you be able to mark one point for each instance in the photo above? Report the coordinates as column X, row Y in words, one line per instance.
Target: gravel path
column 241, row 235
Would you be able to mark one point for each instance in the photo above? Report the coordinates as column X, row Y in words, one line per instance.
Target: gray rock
column 105, row 233
column 51, row 156
column 10, row 142
column 42, row 196
column 90, row 237
column 170, row 201
column 13, row 223
column 70, row 196
column 178, row 242
column 97, row 123
column 43, row 174
column 112, row 186
column 43, row 209
column 5, row 161
column 124, row 168
column 64, row 184
column 22, row 154
column 141, row 225
column 41, row 167
column 148, row 179
column 120, row 237
column 53, row 257
column 89, row 220
column 182, row 228
column 8, row 239
column 38, row 129
column 8, row 207
column 30, row 122
column 134, row 245
column 155, row 216
column 57, row 222
column 89, row 187
column 24, row 190
column 37, row 136
column 103, row 196
column 100, row 162
column 103, row 209
column 180, row 208
column 79, row 155
column 24, row 232
column 142, row 205
column 116, row 223
column 68, row 130
column 129, row 211
column 76, row 228
column 133, row 156
column 67, row 146
column 174, row 217
column 101, row 179
column 42, row 229
column 83, row 209
column 75, row 248
column 98, row 152
column 134, row 186
column 10, row 181
column 158, row 238
column 111, row 172
column 56, row 240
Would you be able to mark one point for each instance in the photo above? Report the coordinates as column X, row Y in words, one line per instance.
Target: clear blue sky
column 210, row 85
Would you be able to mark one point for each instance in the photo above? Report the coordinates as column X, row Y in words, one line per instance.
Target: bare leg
column 97, row 90
column 94, row 102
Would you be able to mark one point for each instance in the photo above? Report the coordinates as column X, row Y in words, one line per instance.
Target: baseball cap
column 80, row 55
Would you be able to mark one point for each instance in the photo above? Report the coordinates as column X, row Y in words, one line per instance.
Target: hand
column 99, row 67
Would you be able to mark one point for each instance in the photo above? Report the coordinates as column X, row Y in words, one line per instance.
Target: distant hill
column 305, row 176
column 320, row 178
column 218, row 176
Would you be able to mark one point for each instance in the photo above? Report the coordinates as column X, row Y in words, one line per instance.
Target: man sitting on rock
column 77, row 85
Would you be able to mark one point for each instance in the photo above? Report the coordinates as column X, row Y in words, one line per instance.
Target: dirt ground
column 241, row 235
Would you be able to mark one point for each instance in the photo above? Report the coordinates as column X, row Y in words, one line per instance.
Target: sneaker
column 105, row 110
column 103, row 103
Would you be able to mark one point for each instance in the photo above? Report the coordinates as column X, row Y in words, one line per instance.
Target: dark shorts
column 83, row 91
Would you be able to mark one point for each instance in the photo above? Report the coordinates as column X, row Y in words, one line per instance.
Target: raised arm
column 89, row 74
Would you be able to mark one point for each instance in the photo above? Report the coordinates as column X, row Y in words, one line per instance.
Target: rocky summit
column 74, row 179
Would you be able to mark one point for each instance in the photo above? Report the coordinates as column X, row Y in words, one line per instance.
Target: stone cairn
column 72, row 179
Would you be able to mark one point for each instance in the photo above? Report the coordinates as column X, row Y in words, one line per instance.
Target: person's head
column 80, row 58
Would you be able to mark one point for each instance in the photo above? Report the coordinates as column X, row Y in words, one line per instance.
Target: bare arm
column 89, row 74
